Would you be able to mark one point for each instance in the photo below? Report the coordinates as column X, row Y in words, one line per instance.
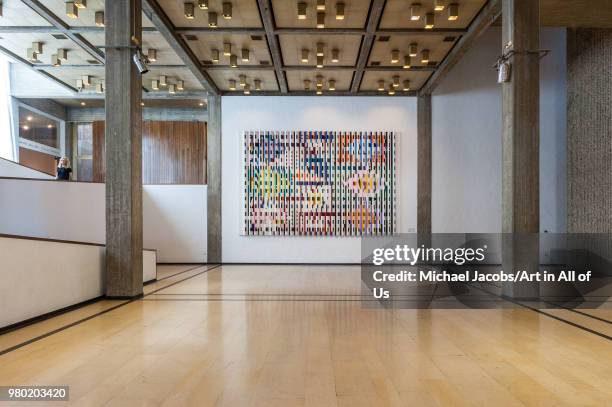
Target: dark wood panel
column 173, row 152
column 36, row 160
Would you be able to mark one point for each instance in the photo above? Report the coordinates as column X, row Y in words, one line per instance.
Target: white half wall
column 39, row 277
column 174, row 216
column 466, row 140
column 310, row 113
column 12, row 169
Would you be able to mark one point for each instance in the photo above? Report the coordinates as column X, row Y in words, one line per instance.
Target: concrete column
column 521, row 144
column 123, row 139
column 424, row 165
column 213, row 166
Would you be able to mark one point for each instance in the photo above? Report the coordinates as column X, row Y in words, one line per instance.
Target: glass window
column 84, row 151
column 38, row 128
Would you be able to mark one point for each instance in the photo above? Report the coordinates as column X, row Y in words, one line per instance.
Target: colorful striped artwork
column 319, row 183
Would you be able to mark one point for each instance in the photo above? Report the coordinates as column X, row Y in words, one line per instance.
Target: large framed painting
column 319, row 183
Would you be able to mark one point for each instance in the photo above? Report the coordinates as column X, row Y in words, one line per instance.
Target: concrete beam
column 376, row 10
column 265, row 9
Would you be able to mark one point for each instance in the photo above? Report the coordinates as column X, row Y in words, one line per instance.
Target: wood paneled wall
column 173, row 152
column 38, row 161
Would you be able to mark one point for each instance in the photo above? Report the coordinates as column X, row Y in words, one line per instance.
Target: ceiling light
column 234, row 61
column 55, row 61
column 335, row 55
column 79, row 84
column 429, row 21
column 339, row 11
column 83, row 103
column 80, row 4
column 227, row 10
column 189, row 11
column 320, row 19
column 406, row 86
column 141, row 103
column 215, row 55
column 306, row 84
column 242, row 80
column 391, row 91
column 381, row 86
column 301, row 10
column 425, row 56
column 439, row 5
column 37, row 47
column 180, row 85
column 453, row 12
column 415, row 11
column 396, row 81
column 319, row 91
column 99, row 18
column 332, row 84
column 305, row 56
column 232, row 84
column 247, row 89
column 257, row 84
column 62, row 54
column 319, row 62
column 163, row 80
column 172, row 89
column 395, row 56
column 201, row 104
column 414, row 49
column 32, row 55
column 155, row 84
column 227, row 49
column 319, row 81
column 245, row 55
column 203, row 4
column 86, row 80
column 100, row 88
column 407, row 62
column 320, row 49
column 49, row 126
column 26, row 127
column 152, row 55
column 321, row 5
column 71, row 10
column 29, row 118
column 212, row 19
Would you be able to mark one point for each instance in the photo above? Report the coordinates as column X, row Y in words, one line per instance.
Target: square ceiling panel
column 15, row 13
column 370, row 79
column 438, row 47
column 19, row 44
column 203, row 45
column 173, row 75
column 295, row 79
column 245, row 13
column 86, row 16
column 267, row 77
column 347, row 46
column 150, row 39
column 355, row 13
column 397, row 14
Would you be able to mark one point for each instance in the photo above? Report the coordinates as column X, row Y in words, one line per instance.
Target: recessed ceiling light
column 29, row 118
column 335, row 55
column 86, row 80
column 163, row 80
column 203, row 4
column 62, row 54
column 396, row 81
column 227, row 49
column 306, row 84
column 425, row 56
column 301, row 10
column 247, row 89
column 320, row 49
column 83, row 103
column 26, row 127
column 414, row 49
column 201, row 104
column 319, row 62
column 72, row 10
column 381, row 85
column 82, row 4
column 320, row 19
column 189, row 11
column 141, row 103
column 339, row 11
column 257, row 84
column 406, row 87
column 304, row 58
column 234, row 61
column 232, row 85
column 212, row 19
column 429, row 21
column 49, row 126
column 180, row 85
column 242, row 80
column 407, row 62
column 152, row 55
column 245, row 55
column 227, row 10
column 215, row 55
column 453, row 12
column 155, row 84
column 172, row 89
column 99, row 18
column 332, row 84
column 415, row 11
column 439, row 5
column 321, row 5
column 55, row 61
column 395, row 56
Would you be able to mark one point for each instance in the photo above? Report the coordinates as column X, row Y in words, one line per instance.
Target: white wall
column 466, row 167
column 40, row 277
column 174, row 216
column 12, row 169
column 310, row 113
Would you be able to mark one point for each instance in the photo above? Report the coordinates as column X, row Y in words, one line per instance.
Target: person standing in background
column 63, row 169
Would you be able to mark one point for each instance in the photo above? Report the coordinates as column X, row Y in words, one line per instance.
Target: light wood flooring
column 298, row 336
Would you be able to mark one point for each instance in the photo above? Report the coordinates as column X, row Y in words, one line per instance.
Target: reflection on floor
column 295, row 336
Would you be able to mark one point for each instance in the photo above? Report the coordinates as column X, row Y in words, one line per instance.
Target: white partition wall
column 174, row 221
column 12, row 169
column 39, row 276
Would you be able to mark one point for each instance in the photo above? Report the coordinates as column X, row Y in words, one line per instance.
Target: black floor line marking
column 80, row 321
column 575, row 325
column 586, row 314
column 181, row 272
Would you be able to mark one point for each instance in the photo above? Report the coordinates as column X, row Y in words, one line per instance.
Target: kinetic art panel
column 319, row 183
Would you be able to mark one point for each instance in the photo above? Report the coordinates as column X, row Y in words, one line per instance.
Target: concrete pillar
column 213, row 165
column 424, row 165
column 521, row 144
column 123, row 139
